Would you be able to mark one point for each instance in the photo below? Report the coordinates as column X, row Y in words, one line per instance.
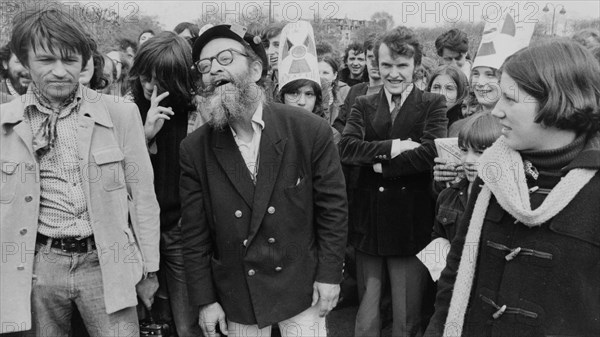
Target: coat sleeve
column 330, row 206
column 340, row 121
column 197, row 242
column 448, row 277
column 354, row 149
column 420, row 160
column 139, row 177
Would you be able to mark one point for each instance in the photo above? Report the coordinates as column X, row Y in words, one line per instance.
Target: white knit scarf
column 501, row 169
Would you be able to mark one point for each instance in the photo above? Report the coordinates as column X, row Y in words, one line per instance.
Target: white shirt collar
column 405, row 93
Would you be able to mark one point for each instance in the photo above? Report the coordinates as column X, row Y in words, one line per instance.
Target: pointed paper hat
column 297, row 54
column 501, row 39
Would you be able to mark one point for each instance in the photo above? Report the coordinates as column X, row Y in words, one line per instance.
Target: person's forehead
column 450, row 53
column 444, row 79
column 215, row 46
column 43, row 48
column 275, row 38
column 386, row 54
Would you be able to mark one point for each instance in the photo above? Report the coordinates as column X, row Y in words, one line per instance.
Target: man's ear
column 5, row 65
column 256, row 68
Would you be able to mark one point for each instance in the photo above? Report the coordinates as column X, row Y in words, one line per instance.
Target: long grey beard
column 226, row 104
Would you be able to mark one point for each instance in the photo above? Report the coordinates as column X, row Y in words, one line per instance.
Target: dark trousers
column 409, row 282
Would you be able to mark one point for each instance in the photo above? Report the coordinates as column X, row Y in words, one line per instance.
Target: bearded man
column 15, row 78
column 264, row 210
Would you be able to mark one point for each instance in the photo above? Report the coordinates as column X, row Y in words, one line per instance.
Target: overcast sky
column 411, row 13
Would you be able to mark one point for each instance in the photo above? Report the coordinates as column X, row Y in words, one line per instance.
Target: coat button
column 238, row 214
column 271, row 210
column 460, row 193
column 385, row 156
column 28, row 198
column 21, row 267
column 278, row 269
column 445, row 220
column 251, row 272
column 245, row 243
column 23, row 231
column 271, row 240
column 381, row 189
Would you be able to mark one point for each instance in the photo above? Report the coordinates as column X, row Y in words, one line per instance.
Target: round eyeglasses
column 224, row 58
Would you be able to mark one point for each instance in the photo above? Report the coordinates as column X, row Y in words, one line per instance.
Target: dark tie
column 396, row 99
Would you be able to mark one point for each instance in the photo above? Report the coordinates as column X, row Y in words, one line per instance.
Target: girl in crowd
column 524, row 261
column 479, row 133
column 306, row 94
column 337, row 92
column 451, row 82
column 162, row 85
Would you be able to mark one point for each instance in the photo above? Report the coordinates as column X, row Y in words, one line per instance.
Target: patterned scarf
column 45, row 137
column 502, row 170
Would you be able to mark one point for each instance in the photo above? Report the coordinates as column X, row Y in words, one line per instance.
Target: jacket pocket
column 110, row 168
column 8, row 181
column 447, row 216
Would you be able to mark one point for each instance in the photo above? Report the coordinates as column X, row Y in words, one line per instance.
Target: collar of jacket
column 13, row 112
column 589, row 157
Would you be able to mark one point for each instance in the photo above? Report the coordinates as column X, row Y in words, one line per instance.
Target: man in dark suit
column 264, row 210
column 391, row 136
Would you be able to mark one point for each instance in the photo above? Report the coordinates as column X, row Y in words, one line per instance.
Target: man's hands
column 444, row 172
column 211, row 315
column 326, row 295
column 146, row 289
column 156, row 115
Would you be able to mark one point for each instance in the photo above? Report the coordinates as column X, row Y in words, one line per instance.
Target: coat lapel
column 272, row 145
column 408, row 114
column 229, row 157
column 381, row 120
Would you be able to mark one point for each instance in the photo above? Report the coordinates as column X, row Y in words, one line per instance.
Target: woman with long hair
column 451, row 82
column 163, row 85
column 524, row 261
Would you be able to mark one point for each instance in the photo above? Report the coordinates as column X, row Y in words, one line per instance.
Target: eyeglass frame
column 216, row 57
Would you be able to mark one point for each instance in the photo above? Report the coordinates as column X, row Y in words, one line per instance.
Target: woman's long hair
column 459, row 78
column 168, row 58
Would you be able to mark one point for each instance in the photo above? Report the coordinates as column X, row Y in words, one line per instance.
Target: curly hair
column 454, row 39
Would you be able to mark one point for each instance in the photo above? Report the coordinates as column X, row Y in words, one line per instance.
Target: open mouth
column 220, row 82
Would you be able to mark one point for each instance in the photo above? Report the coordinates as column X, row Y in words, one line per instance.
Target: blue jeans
column 185, row 315
column 62, row 280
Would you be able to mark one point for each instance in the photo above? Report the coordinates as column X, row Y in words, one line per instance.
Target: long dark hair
column 168, row 58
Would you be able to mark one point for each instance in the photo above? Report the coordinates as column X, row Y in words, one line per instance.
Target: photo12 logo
column 244, row 12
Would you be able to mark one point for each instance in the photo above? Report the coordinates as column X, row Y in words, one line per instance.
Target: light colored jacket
column 113, row 160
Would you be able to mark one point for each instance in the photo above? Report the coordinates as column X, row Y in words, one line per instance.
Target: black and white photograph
column 312, row 168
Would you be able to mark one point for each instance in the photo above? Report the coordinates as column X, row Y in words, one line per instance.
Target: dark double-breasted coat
column 257, row 249
column 391, row 213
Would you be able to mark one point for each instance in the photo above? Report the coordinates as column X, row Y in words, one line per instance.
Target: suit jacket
column 258, row 249
column 391, row 214
column 111, row 138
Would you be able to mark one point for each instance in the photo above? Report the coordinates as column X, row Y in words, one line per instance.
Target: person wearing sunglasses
column 263, row 200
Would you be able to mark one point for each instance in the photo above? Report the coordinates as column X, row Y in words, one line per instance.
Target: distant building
column 347, row 27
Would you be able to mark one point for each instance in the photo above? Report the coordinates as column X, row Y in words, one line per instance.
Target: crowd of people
column 240, row 183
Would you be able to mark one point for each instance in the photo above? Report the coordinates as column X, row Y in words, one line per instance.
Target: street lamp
column 562, row 11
